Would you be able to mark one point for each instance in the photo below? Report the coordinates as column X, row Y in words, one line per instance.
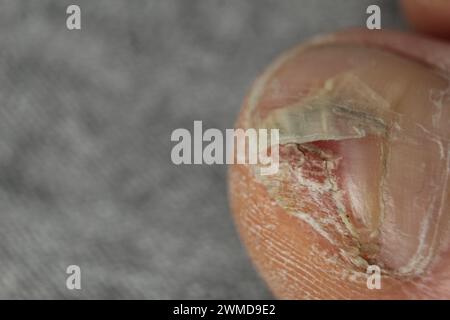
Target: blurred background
column 85, row 122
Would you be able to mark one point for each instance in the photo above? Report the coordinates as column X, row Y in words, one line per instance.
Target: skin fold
column 364, row 169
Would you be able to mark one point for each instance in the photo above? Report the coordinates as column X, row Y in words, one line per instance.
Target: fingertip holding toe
column 363, row 176
column 429, row 16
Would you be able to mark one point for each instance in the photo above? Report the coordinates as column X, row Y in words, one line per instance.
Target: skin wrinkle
column 277, row 251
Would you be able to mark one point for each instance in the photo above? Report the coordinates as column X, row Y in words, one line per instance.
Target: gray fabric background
column 85, row 124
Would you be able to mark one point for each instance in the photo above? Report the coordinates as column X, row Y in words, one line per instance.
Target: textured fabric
column 85, row 124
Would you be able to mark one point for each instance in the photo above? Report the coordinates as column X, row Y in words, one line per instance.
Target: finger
column 429, row 16
column 363, row 181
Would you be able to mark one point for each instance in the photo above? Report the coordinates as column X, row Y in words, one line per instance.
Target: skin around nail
column 364, row 169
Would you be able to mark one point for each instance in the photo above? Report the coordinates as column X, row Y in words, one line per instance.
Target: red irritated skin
column 364, row 120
